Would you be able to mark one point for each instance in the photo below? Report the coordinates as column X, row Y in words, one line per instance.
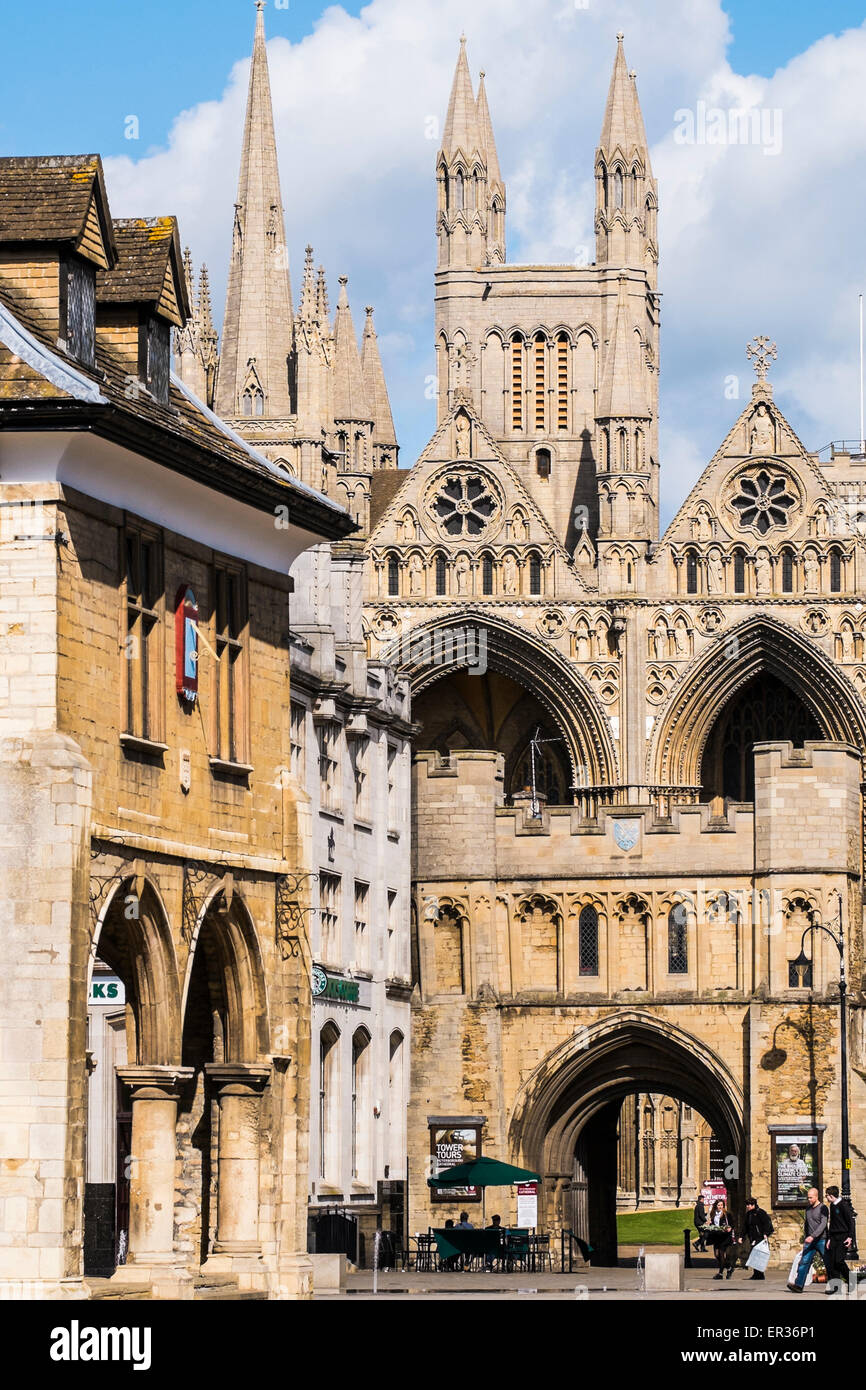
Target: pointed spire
column 350, row 397
column 485, row 130
column 621, row 394
column 307, row 310
column 188, row 272
column 374, row 381
column 618, row 126
column 461, row 123
column 258, row 319
column 207, row 331
column 322, row 309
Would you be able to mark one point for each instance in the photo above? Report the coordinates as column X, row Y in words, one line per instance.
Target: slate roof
column 47, row 197
column 144, row 250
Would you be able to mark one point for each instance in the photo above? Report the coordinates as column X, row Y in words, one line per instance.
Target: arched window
column 329, row 1102
column 362, row 1106
column 739, row 572
column 440, row 574
column 678, row 947
column 253, row 402
column 540, row 352
column 691, row 572
column 393, row 577
column 516, row 383
column 622, row 459
column 835, row 572
column 562, row 382
column 534, row 574
column 787, row 572
column 542, row 463
column 617, row 189
column 487, row 575
column 604, row 188
column 458, row 192
column 587, row 930
column 471, row 186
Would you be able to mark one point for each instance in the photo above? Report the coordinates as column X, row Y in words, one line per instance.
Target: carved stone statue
column 847, row 637
column 715, row 573
column 660, row 643
column 704, row 526
column 462, row 437
column 461, row 571
column 763, row 573
column 761, row 436
column 811, row 572
column 518, row 528
column 509, row 575
column 416, row 576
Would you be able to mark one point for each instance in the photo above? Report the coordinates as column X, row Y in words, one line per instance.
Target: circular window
column 464, row 506
column 762, row 499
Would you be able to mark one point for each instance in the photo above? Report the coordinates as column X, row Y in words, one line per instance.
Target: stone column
column 151, row 1257
column 238, row 1086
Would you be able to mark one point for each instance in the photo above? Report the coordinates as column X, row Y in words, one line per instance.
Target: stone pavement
column 586, row 1282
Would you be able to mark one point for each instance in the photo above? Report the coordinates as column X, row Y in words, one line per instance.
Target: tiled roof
column 182, row 435
column 385, row 483
column 144, row 249
column 47, row 197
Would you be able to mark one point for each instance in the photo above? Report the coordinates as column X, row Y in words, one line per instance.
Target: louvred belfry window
column 516, row 384
column 562, row 382
column 539, row 350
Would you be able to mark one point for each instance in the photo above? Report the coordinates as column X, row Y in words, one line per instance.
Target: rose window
column 464, row 505
column 763, row 501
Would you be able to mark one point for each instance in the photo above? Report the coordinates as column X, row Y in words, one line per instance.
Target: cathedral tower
column 626, row 193
column 470, row 222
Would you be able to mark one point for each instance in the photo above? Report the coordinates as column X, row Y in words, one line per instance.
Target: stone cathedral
column 637, row 803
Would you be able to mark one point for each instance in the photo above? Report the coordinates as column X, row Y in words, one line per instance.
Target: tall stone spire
column 461, row 121
column 312, row 362
column 384, row 435
column 353, row 415
column 253, row 376
column 350, row 395
column 462, row 176
column 626, row 192
column 495, row 185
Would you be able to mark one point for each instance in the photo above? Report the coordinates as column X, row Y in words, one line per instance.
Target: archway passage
column 567, row 1116
column 492, row 711
column 225, row 1034
column 765, row 708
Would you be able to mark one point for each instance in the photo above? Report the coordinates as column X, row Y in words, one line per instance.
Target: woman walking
column 720, row 1234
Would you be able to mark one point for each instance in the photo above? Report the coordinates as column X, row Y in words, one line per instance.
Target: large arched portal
column 565, row 1121
column 485, row 683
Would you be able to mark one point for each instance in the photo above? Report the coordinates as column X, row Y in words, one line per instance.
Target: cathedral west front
column 637, row 813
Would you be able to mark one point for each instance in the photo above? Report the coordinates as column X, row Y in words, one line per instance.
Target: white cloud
column 750, row 242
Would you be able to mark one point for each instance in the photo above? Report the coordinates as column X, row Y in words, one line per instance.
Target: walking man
column 814, row 1237
column 699, row 1220
column 840, row 1235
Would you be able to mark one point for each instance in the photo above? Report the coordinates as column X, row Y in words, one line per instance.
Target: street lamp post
column 801, row 965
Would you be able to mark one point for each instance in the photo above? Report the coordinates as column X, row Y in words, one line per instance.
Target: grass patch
column 654, row 1227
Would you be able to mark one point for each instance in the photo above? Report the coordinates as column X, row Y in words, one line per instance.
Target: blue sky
column 111, row 58
column 749, row 244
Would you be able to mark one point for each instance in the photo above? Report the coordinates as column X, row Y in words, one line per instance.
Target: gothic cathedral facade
column 637, row 801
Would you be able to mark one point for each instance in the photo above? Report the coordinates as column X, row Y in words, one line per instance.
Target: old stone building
column 302, row 392
column 638, row 783
column 155, row 852
column 666, row 1151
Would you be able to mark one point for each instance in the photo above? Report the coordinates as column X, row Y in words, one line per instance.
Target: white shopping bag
column 794, row 1267
column 759, row 1256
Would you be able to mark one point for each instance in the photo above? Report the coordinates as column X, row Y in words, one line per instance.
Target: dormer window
column 154, row 353
column 77, row 316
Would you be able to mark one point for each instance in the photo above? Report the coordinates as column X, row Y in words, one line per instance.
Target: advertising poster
column 449, row 1147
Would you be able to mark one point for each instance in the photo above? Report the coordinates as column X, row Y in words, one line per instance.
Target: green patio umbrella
column 482, row 1172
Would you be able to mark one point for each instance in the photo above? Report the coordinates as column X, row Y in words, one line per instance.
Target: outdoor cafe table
column 459, row 1241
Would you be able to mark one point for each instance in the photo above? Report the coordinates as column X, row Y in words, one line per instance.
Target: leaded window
column 678, row 950
column 587, row 929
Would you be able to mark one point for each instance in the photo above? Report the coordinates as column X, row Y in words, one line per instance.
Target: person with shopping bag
column 757, row 1230
column 814, row 1238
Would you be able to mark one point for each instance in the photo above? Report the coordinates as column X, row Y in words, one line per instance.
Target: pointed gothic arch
column 134, row 939
column 564, row 693
column 226, row 948
column 757, row 645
